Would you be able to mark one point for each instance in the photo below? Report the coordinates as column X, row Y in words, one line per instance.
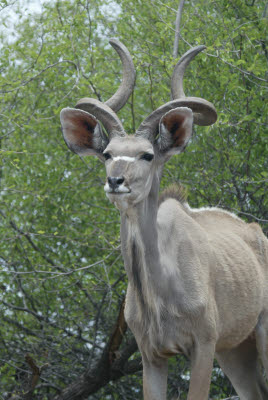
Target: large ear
column 175, row 130
column 82, row 132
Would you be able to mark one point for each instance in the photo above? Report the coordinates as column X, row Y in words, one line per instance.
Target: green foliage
column 62, row 278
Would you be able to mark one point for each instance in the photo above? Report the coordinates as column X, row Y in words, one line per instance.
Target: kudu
column 198, row 279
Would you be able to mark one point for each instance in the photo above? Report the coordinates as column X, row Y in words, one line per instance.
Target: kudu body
column 198, row 279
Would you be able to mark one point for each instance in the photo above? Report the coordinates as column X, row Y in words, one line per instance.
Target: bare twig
column 247, row 73
column 232, row 398
column 24, row 83
column 7, row 5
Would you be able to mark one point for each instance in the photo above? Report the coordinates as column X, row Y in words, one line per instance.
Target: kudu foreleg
column 261, row 332
column 155, row 379
column 241, row 365
column 201, row 369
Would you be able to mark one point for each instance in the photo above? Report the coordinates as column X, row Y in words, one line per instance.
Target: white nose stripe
column 124, row 158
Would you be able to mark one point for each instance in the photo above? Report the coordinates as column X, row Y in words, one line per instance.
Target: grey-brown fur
column 197, row 279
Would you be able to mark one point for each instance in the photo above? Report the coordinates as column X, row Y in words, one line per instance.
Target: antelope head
column 134, row 162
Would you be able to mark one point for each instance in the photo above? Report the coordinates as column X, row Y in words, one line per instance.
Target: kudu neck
column 139, row 239
column 144, row 212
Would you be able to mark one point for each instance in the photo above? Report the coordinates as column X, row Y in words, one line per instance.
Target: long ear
column 175, row 130
column 82, row 132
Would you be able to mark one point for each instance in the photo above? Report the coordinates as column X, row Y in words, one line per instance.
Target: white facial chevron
column 125, row 158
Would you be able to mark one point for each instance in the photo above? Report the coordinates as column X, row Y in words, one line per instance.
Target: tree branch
column 36, row 373
column 118, row 334
column 177, row 29
column 108, row 368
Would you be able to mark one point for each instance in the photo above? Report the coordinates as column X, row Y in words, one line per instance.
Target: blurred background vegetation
column 62, row 277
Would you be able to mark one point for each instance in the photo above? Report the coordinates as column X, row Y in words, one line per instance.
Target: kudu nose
column 115, row 181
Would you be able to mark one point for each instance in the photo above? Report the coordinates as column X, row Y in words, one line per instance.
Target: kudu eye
column 107, row 156
column 147, row 157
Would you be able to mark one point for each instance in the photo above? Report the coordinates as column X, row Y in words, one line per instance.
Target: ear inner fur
column 84, row 131
column 175, row 130
column 81, row 131
column 174, row 125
